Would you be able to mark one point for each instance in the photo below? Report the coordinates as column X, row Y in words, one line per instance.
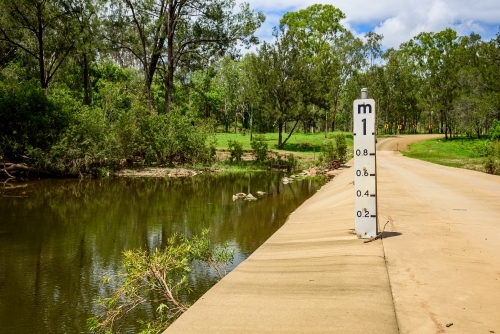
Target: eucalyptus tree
column 371, row 66
column 205, row 92
column 319, row 29
column 435, row 53
column 473, row 107
column 398, row 88
column 228, row 78
column 280, row 72
column 45, row 30
column 373, row 47
column 348, row 54
column 490, row 51
column 250, row 93
column 169, row 31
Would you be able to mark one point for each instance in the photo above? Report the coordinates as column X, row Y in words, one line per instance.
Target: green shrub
column 341, row 147
column 289, row 164
column 29, row 120
column 235, row 150
column 157, row 278
column 328, row 152
column 332, row 155
column 259, row 146
column 173, row 138
column 495, row 130
column 492, row 161
column 83, row 146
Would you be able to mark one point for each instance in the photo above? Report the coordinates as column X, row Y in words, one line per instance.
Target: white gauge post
column 365, row 167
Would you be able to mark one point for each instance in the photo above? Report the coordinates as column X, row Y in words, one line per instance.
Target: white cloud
column 397, row 20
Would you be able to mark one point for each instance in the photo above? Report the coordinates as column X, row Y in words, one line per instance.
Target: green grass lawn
column 306, row 147
column 303, row 143
column 460, row 152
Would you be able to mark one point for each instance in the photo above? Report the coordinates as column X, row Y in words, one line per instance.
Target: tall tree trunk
column 151, row 69
column 235, row 121
column 326, row 124
column 41, row 57
column 280, row 134
column 290, row 134
column 251, row 124
column 226, row 117
column 169, row 87
column 87, row 87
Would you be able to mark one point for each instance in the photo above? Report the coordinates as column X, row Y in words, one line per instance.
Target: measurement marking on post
column 365, row 167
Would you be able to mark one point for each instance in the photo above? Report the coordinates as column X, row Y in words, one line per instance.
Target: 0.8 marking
column 362, row 153
column 359, row 172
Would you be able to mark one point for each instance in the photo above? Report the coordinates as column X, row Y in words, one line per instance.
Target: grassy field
column 461, row 152
column 305, row 147
column 301, row 144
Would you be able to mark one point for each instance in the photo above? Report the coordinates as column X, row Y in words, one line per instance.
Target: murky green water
column 59, row 237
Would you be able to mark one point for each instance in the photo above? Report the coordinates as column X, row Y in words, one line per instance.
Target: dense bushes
column 70, row 138
column 28, row 120
column 492, row 161
column 235, row 151
column 334, row 155
column 259, row 147
column 495, row 130
column 92, row 145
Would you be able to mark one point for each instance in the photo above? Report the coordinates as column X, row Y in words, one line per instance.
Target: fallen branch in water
column 10, row 168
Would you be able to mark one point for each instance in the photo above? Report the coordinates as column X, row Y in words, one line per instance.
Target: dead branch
column 11, row 168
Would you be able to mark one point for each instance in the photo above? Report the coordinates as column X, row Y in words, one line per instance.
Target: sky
column 397, row 20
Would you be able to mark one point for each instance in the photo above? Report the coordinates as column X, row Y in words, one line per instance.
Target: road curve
column 401, row 142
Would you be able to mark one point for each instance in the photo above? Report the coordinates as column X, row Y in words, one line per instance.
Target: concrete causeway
column 436, row 271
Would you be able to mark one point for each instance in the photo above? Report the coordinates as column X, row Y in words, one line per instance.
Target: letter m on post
column 364, row 107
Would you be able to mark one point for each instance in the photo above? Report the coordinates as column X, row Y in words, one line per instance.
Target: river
column 58, row 238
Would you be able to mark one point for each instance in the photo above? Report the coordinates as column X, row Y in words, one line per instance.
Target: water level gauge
column 365, row 168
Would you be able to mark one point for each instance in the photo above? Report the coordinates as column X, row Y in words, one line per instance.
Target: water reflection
column 59, row 237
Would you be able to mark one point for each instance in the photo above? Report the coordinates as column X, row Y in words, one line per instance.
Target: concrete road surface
column 443, row 253
column 437, row 270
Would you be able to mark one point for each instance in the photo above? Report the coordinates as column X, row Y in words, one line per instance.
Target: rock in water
column 250, row 197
